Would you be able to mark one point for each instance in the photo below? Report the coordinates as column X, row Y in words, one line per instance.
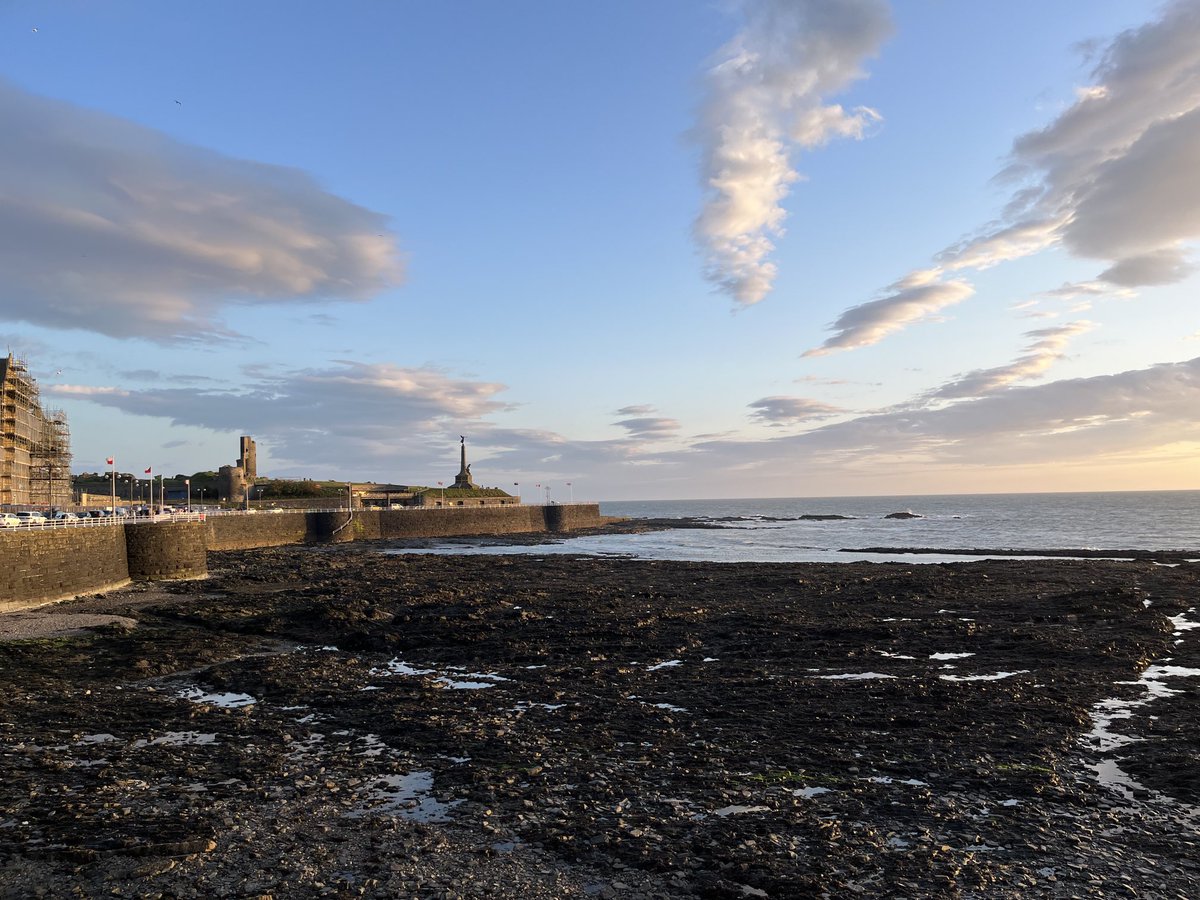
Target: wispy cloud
column 766, row 95
column 1048, row 347
column 1111, row 178
column 919, row 295
column 643, row 409
column 780, row 410
column 649, row 428
column 111, row 227
column 1132, row 412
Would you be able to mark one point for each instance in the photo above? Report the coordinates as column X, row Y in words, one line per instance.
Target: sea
column 772, row 530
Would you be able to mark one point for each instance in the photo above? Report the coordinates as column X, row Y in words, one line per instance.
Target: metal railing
column 201, row 515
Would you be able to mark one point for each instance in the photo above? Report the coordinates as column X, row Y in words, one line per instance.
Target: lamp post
column 570, row 493
column 517, row 485
column 443, row 492
column 187, row 483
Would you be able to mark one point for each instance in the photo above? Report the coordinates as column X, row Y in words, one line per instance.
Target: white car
column 30, row 517
column 63, row 516
column 8, row 520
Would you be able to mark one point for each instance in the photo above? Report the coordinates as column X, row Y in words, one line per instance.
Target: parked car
column 30, row 517
column 64, row 516
column 8, row 520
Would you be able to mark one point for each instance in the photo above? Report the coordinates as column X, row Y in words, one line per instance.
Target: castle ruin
column 234, row 482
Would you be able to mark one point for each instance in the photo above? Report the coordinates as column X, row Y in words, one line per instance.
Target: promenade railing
column 201, row 515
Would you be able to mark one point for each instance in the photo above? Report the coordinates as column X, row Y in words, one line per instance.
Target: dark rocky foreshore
column 558, row 727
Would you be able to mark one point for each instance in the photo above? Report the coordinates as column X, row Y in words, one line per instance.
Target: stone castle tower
column 234, row 482
column 248, row 461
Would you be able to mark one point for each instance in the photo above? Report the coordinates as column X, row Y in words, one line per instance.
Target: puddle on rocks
column 995, row 676
column 808, row 793
column 1104, row 740
column 452, row 677
column 888, row 779
column 854, row 676
column 407, row 796
column 664, row 665
column 526, row 705
column 177, row 739
column 670, row 707
column 223, row 699
column 739, row 810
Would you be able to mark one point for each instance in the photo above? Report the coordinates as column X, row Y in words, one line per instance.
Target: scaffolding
column 35, row 444
column 50, row 462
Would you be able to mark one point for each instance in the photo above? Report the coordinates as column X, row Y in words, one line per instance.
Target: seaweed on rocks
column 337, row 721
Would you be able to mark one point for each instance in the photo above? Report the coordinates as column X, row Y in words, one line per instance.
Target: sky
column 680, row 249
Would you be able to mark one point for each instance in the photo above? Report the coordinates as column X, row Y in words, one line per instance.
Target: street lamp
column 570, row 493
column 443, row 491
column 187, row 482
column 517, row 485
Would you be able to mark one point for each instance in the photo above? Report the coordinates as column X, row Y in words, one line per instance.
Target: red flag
column 149, row 470
column 109, row 461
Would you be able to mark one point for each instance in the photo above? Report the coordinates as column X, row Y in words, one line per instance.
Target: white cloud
column 84, row 390
column 919, row 295
column 1048, row 347
column 108, row 226
column 1012, row 242
column 767, row 92
column 1113, row 177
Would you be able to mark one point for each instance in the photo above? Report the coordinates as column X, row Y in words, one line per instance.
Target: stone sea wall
column 42, row 565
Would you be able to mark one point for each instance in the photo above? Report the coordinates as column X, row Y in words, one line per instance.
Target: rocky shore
column 315, row 721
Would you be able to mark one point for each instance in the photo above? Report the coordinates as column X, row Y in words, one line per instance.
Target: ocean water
column 770, row 530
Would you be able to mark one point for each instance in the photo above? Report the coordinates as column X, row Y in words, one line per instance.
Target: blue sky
column 671, row 249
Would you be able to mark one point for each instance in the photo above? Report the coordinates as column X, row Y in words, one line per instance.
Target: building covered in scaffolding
column 35, row 443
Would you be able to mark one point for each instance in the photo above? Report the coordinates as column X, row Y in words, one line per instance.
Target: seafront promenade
column 47, row 563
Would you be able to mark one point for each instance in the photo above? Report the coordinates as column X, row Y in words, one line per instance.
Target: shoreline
column 541, row 726
column 1160, row 556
